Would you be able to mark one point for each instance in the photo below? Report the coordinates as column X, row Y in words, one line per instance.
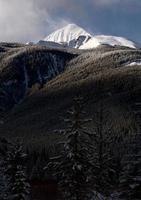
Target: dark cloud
column 31, row 20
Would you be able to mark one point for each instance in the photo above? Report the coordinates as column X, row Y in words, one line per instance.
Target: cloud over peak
column 25, row 20
column 32, row 20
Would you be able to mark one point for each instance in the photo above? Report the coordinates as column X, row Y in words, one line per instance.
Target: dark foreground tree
column 130, row 179
column 13, row 184
column 20, row 187
column 4, row 181
column 75, row 165
column 103, row 139
column 18, row 184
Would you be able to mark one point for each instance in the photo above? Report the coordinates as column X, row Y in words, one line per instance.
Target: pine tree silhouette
column 74, row 166
column 19, row 188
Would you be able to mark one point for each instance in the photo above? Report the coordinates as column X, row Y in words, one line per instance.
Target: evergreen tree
column 130, row 179
column 103, row 140
column 3, row 166
column 3, row 184
column 74, row 166
column 18, row 184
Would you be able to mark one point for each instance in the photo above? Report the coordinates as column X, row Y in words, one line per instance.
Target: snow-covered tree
column 16, row 173
column 74, row 166
column 20, row 187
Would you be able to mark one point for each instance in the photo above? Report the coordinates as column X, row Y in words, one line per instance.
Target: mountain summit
column 73, row 36
column 70, row 36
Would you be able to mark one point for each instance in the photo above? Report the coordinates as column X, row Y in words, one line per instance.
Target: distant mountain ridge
column 73, row 36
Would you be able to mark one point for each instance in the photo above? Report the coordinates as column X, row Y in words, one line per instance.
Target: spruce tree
column 3, row 184
column 74, row 166
column 130, row 179
column 103, row 139
column 4, row 181
column 20, row 186
column 16, row 171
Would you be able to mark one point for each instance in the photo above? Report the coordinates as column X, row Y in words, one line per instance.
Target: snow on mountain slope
column 110, row 40
column 70, row 36
column 135, row 63
column 74, row 36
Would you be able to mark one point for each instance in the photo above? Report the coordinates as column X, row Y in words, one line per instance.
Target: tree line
column 89, row 165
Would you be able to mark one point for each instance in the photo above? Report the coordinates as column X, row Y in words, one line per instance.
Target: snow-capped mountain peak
column 71, row 35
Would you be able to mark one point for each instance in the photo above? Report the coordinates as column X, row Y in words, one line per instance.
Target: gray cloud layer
column 31, row 20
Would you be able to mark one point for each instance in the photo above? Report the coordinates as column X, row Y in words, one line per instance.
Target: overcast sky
column 32, row 20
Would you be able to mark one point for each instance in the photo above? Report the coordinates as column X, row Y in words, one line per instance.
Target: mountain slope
column 21, row 68
column 94, row 74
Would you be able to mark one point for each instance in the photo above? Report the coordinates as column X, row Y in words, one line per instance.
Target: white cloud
column 17, row 20
column 24, row 20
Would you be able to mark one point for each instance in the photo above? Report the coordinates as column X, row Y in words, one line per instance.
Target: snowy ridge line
column 109, row 40
column 73, row 36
